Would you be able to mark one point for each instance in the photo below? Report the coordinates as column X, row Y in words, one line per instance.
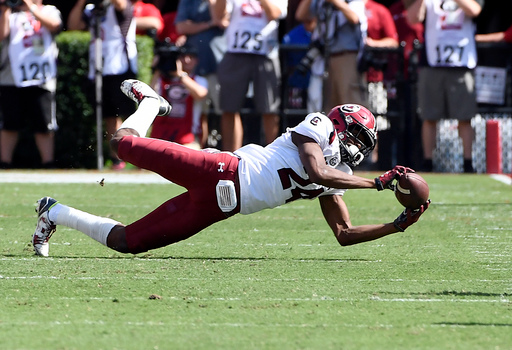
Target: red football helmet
column 357, row 131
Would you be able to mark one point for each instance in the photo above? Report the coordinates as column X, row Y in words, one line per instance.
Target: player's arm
column 336, row 214
column 312, row 158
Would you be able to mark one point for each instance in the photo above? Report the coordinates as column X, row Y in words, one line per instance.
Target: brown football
column 411, row 190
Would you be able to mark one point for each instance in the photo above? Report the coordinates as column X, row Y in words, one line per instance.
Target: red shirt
column 177, row 126
column 169, row 30
column 380, row 26
column 508, row 35
column 141, row 9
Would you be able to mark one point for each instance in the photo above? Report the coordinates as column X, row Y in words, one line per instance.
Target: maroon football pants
column 184, row 215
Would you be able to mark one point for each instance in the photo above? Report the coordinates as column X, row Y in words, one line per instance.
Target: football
column 411, row 190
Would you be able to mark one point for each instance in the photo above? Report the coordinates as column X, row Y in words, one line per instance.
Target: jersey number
column 448, row 52
column 242, row 40
column 287, row 175
column 32, row 71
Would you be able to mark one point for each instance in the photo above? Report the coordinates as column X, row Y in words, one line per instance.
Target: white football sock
column 143, row 117
column 96, row 227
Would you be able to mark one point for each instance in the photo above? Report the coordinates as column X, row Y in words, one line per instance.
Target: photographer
column 341, row 29
column 28, row 75
column 175, row 81
column 119, row 52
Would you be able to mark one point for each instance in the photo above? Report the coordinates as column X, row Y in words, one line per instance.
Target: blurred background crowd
column 240, row 71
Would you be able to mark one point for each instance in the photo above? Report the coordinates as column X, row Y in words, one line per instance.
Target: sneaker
column 137, row 91
column 45, row 228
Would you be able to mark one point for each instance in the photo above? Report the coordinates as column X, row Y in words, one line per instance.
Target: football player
column 313, row 159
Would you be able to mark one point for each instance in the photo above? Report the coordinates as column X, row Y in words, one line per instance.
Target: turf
column 272, row 280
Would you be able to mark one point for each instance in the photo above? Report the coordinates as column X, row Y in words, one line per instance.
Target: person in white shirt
column 119, row 54
column 28, row 76
column 446, row 83
column 251, row 57
column 312, row 160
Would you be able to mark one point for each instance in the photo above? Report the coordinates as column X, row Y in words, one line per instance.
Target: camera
column 167, row 56
column 371, row 59
column 169, row 53
column 315, row 49
column 12, row 3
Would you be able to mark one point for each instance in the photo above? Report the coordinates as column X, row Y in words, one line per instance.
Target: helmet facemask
column 356, row 129
column 356, row 144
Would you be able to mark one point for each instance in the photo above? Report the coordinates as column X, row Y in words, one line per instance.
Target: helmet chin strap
column 354, row 152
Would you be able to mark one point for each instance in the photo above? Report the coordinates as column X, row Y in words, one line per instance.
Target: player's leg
column 175, row 220
column 150, row 105
column 51, row 213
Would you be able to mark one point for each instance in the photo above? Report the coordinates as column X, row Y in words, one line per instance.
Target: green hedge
column 75, row 141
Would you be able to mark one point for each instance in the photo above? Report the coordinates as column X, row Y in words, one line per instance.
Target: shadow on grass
column 217, row 258
column 441, row 204
column 451, row 293
column 473, row 324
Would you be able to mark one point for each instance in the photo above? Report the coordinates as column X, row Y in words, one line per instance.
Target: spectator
column 341, row 28
column 381, row 33
column 197, row 20
column 28, row 76
column 252, row 56
column 446, row 85
column 119, row 53
column 185, row 92
column 298, row 78
column 148, row 19
column 408, row 33
column 169, row 32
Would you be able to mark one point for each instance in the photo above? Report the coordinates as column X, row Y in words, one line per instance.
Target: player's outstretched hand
column 409, row 217
column 385, row 181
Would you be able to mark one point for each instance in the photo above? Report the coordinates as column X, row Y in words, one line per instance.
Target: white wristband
column 32, row 8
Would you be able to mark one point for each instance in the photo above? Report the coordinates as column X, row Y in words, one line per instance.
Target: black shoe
column 468, row 166
column 4, row 165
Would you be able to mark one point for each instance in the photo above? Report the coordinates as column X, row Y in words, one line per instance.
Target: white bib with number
column 449, row 35
column 250, row 31
column 32, row 50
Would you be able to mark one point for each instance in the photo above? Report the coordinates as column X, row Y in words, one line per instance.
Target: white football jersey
column 274, row 175
column 449, row 35
column 249, row 30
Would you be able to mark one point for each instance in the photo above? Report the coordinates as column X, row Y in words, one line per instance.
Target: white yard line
column 81, row 176
column 502, row 178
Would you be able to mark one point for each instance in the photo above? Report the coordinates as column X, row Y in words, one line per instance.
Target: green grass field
column 272, row 280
